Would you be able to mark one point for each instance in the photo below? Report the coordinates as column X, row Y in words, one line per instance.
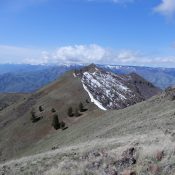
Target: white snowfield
column 97, row 103
column 106, row 90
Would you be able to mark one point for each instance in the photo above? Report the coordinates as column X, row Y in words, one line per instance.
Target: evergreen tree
column 87, row 101
column 34, row 118
column 77, row 114
column 70, row 112
column 55, row 122
column 41, row 108
column 53, row 110
column 62, row 125
column 81, row 107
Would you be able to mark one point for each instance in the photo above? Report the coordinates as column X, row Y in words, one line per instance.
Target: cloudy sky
column 127, row 32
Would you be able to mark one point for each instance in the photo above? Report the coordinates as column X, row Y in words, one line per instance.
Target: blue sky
column 128, row 32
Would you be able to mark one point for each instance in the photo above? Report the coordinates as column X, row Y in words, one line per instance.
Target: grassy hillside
column 138, row 139
column 7, row 99
column 15, row 120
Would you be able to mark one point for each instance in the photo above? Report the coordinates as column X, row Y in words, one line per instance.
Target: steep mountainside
column 115, row 91
column 9, row 99
column 139, row 140
column 17, row 121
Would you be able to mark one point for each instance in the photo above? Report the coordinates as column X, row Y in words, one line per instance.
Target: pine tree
column 55, row 122
column 62, row 125
column 34, row 118
column 53, row 110
column 70, row 112
column 81, row 107
column 41, row 108
column 77, row 114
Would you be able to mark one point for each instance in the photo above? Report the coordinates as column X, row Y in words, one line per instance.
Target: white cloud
column 92, row 53
column 166, row 8
column 80, row 53
column 97, row 54
column 13, row 54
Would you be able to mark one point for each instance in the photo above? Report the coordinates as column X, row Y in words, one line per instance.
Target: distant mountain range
column 29, row 78
column 160, row 77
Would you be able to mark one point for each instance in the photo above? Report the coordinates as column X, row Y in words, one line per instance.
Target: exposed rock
column 128, row 172
column 154, row 169
column 170, row 93
column 113, row 91
column 159, row 155
column 127, row 159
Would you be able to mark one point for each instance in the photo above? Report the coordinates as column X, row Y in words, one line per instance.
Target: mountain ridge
column 114, row 91
column 14, row 78
column 135, row 139
column 66, row 92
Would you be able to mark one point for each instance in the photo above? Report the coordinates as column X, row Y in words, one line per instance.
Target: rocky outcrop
column 113, row 91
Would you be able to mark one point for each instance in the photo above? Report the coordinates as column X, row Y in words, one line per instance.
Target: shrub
column 77, row 114
column 41, row 108
column 53, row 110
column 34, row 118
column 81, row 107
column 62, row 125
column 32, row 115
column 70, row 112
column 55, row 122
column 87, row 101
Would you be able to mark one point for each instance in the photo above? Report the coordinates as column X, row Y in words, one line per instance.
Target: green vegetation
column 87, row 101
column 53, row 110
column 70, row 112
column 81, row 107
column 41, row 108
column 77, row 114
column 62, row 125
column 55, row 122
column 34, row 118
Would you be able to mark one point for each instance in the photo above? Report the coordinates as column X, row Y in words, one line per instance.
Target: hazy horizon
column 116, row 32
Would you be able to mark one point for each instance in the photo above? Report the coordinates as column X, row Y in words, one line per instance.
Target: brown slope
column 7, row 99
column 145, row 88
column 104, row 139
column 18, row 132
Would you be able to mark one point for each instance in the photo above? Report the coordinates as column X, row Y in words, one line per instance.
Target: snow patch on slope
column 94, row 100
column 113, row 91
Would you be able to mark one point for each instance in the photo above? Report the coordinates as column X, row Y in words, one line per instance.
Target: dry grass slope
column 18, row 132
column 136, row 140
